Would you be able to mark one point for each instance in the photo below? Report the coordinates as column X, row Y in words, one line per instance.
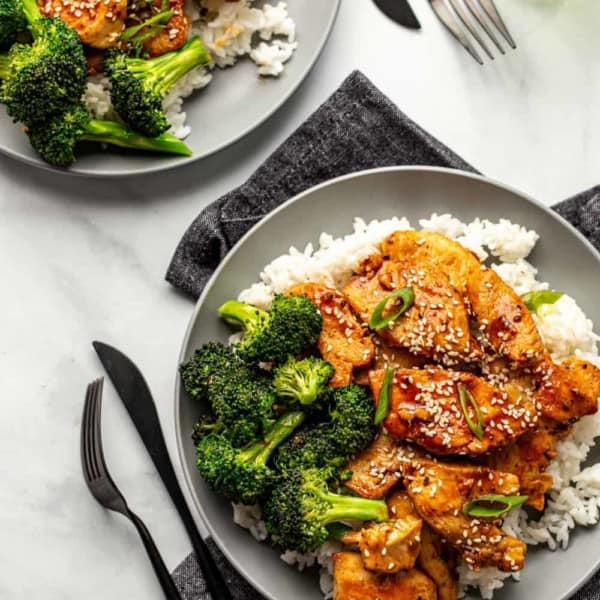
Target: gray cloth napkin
column 356, row 128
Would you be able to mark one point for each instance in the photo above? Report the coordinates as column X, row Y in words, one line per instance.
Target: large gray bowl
column 236, row 101
column 562, row 255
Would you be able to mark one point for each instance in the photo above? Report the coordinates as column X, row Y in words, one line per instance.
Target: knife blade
column 399, row 11
column 135, row 394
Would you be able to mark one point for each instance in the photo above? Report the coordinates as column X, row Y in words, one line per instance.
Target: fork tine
column 475, row 9
column 494, row 15
column 449, row 21
column 86, row 454
column 96, row 428
column 459, row 9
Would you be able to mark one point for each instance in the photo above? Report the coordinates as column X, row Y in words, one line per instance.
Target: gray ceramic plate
column 236, row 101
column 562, row 255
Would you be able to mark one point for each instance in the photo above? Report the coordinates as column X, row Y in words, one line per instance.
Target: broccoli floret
column 348, row 430
column 291, row 326
column 55, row 140
column 242, row 475
column 4, row 63
column 241, row 398
column 44, row 77
column 12, row 21
column 352, row 418
column 302, row 381
column 301, row 506
column 312, row 445
column 198, row 372
column 139, row 86
column 203, row 427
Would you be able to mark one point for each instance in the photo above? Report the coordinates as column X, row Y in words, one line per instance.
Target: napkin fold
column 357, row 128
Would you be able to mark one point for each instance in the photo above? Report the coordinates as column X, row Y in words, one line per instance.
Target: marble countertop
column 85, row 259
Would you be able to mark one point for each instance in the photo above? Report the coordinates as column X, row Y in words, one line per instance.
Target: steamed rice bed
column 565, row 330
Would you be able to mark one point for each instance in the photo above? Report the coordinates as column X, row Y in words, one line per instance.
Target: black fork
column 103, row 488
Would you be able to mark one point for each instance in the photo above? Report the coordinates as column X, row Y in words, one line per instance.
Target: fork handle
column 160, row 568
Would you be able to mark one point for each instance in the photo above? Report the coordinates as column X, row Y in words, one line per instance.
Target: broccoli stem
column 32, row 13
column 241, row 314
column 260, row 452
column 350, row 507
column 111, row 132
column 163, row 72
column 4, row 63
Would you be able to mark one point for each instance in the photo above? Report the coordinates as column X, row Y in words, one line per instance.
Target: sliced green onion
column 378, row 322
column 533, row 300
column 487, row 506
column 465, row 397
column 383, row 404
column 161, row 18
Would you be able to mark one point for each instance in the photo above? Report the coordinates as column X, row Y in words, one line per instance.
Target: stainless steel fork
column 480, row 19
column 104, row 489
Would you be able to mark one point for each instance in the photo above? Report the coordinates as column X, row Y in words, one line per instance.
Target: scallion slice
column 378, row 321
column 533, row 300
column 487, row 506
column 465, row 397
column 383, row 404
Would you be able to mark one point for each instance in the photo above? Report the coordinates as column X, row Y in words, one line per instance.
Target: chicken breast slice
column 437, row 324
column 439, row 492
column 425, row 408
column 99, row 23
column 175, row 33
column 437, row 560
column 504, row 321
column 394, row 545
column 352, row 581
column 343, row 341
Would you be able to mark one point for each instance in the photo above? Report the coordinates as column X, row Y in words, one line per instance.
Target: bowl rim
column 176, row 162
column 223, row 264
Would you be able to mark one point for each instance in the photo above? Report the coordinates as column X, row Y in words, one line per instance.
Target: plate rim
column 185, row 161
column 179, row 438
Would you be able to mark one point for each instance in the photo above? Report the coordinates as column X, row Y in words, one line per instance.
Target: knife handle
column 155, row 442
column 166, row 582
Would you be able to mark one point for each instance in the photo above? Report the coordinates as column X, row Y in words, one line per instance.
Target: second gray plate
column 235, row 102
column 405, row 192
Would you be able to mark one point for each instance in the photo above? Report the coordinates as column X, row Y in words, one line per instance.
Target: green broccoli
column 352, row 418
column 302, row 381
column 203, row 427
column 56, row 139
column 198, row 372
column 12, row 21
column 301, row 506
column 242, row 474
column 291, row 326
column 348, row 430
column 139, row 86
column 241, row 398
column 44, row 77
column 4, row 64
column 312, row 445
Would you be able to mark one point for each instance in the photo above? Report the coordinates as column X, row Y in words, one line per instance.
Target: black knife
column 135, row 394
column 399, row 11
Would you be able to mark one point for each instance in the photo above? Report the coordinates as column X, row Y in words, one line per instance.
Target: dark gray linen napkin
column 356, row 128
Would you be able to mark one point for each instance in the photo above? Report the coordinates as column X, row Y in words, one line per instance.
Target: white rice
column 565, row 330
column 267, row 35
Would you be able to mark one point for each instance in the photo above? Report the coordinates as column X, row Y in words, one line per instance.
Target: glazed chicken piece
column 439, row 492
column 437, row 560
column 343, row 341
column 376, row 470
column 99, row 23
column 529, row 457
column 394, row 545
column 437, row 324
column 503, row 319
column 425, row 408
column 352, row 581
column 175, row 33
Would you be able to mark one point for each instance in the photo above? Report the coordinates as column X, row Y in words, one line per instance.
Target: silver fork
column 485, row 14
column 104, row 489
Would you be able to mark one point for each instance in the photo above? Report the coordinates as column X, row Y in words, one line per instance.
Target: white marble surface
column 83, row 260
